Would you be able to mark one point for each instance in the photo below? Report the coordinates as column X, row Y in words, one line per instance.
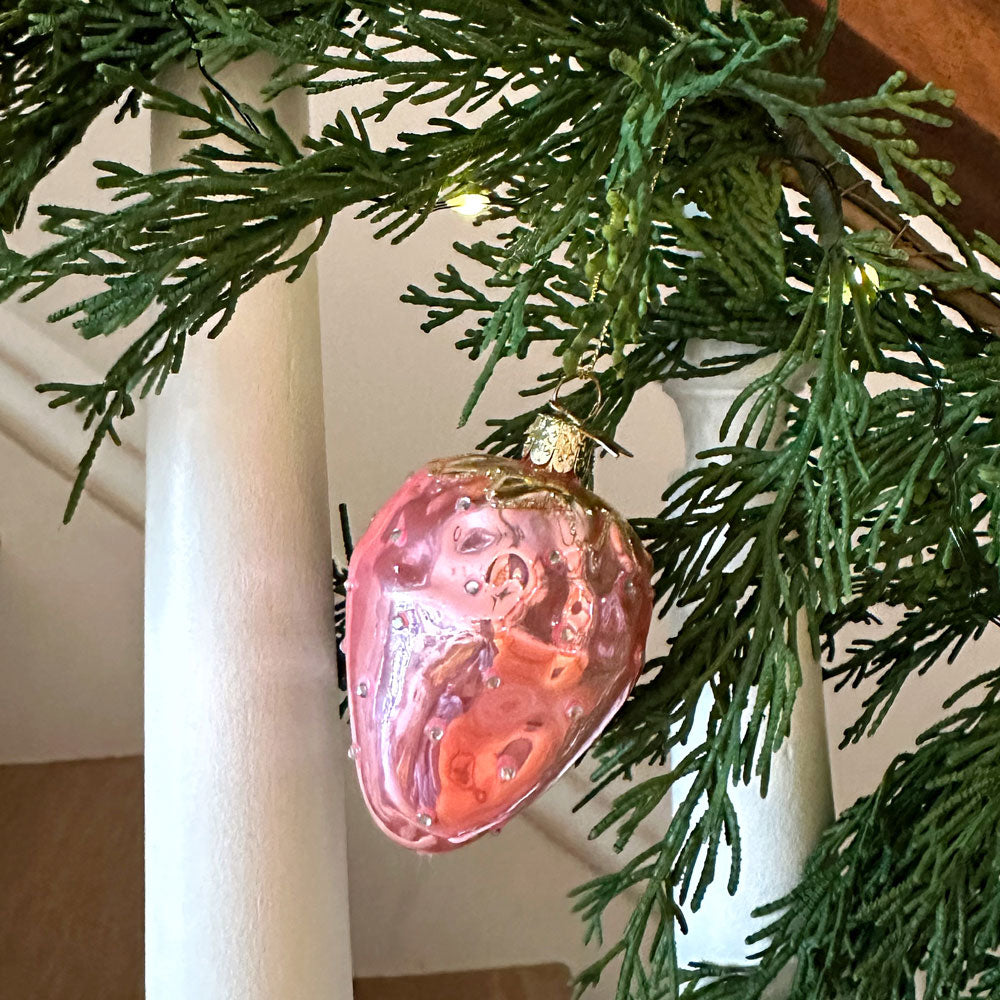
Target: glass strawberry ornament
column 497, row 614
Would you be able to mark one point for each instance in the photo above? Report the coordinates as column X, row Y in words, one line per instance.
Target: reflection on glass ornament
column 496, row 621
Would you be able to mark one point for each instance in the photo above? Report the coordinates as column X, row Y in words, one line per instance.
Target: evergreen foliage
column 905, row 880
column 638, row 155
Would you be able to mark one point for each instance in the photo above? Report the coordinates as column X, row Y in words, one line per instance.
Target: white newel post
column 779, row 832
column 246, row 884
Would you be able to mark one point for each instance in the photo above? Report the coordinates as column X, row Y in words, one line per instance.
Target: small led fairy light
column 470, row 204
column 866, row 279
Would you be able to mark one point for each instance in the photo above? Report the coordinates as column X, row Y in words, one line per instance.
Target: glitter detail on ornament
column 352, row 753
column 496, row 652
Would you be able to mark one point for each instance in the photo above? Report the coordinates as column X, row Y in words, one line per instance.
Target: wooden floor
column 71, row 896
column 71, row 883
column 539, row 982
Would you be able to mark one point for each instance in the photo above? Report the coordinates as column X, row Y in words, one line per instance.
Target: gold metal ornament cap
column 555, row 443
column 561, row 442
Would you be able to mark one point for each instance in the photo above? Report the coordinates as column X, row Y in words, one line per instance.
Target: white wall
column 70, row 621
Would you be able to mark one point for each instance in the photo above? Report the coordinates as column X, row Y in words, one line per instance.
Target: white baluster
column 779, row 832
column 246, row 885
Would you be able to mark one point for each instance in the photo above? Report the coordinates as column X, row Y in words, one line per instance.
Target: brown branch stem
column 865, row 210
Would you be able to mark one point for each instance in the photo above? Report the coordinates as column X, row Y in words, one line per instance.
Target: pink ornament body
column 497, row 616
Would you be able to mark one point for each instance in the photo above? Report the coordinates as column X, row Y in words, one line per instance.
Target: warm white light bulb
column 469, row 203
column 866, row 278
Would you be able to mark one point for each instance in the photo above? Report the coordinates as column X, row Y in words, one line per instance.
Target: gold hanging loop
column 585, row 375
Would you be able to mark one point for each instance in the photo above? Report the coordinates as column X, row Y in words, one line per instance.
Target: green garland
column 605, row 120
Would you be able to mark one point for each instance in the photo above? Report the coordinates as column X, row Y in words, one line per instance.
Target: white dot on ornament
column 396, row 535
column 352, row 753
column 507, row 773
column 554, row 557
column 362, row 689
column 493, row 683
column 435, row 733
column 574, row 711
column 424, row 820
column 472, row 587
column 567, row 634
column 399, row 622
column 464, row 503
